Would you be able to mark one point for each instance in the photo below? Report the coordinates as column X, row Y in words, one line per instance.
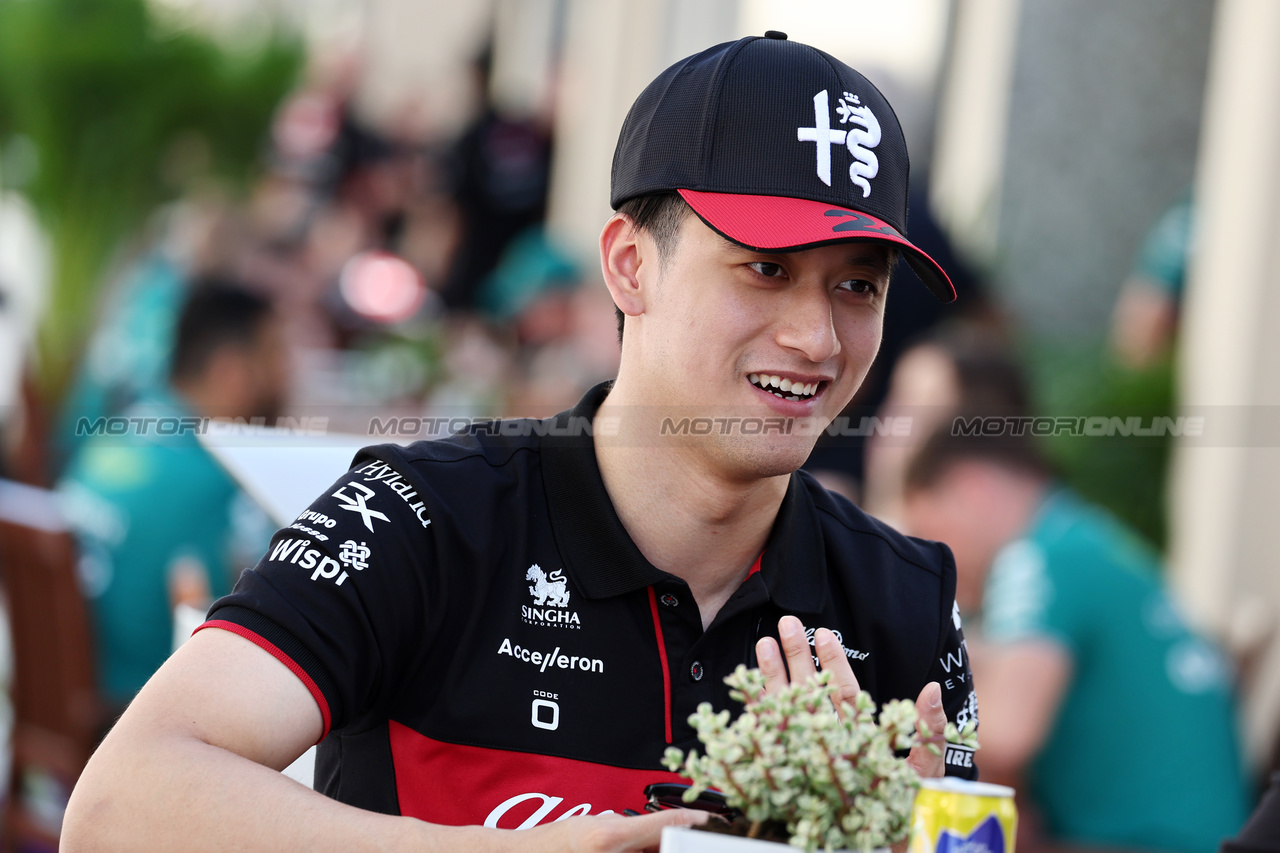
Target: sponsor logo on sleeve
column 954, row 664
column 319, row 519
column 354, row 555
column 310, row 531
column 381, row 472
column 357, row 503
column 959, row 756
column 296, row 552
column 550, row 600
column 969, row 712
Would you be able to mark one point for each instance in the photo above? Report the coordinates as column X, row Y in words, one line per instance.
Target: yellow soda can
column 957, row 816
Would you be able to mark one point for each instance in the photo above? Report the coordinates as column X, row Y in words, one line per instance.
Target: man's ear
column 621, row 257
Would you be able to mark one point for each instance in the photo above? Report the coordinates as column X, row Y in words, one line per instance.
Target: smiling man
column 505, row 629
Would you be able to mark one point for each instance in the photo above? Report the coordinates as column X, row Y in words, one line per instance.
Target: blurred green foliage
column 117, row 109
column 1126, row 474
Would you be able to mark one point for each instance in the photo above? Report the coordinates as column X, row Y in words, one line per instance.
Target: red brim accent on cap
column 765, row 223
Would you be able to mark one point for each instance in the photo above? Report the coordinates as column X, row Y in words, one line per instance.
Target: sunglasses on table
column 670, row 795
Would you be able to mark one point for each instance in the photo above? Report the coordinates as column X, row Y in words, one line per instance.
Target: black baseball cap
column 776, row 145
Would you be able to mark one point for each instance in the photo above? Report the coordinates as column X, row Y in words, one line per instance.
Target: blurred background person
column 957, row 364
column 160, row 523
column 500, row 170
column 1113, row 718
column 1145, row 319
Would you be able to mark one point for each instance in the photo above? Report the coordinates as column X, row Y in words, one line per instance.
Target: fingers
column 832, row 658
column 929, row 708
column 769, row 657
column 795, row 646
column 799, row 659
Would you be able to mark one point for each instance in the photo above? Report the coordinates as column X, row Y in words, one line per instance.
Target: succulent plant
column 824, row 768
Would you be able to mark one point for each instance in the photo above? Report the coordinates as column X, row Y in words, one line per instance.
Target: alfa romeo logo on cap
column 860, row 138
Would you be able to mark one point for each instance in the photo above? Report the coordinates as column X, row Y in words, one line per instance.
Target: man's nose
column 807, row 325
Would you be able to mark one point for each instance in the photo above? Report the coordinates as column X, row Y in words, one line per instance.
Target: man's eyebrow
column 877, row 261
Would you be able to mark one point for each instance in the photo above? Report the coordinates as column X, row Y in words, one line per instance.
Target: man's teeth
column 778, row 387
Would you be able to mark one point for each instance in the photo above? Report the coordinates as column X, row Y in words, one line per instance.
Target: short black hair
column 659, row 215
column 948, row 446
column 218, row 312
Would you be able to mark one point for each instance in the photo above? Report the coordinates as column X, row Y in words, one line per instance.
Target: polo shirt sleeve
column 341, row 597
column 1024, row 601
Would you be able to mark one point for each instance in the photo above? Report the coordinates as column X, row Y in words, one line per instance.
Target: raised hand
column 831, row 657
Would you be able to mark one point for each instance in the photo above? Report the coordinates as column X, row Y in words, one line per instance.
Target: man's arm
column 193, row 765
column 1021, row 685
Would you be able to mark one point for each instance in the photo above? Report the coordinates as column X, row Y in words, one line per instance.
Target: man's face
column 721, row 321
column 951, row 511
column 268, row 370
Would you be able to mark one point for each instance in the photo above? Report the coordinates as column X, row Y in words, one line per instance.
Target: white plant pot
column 681, row 839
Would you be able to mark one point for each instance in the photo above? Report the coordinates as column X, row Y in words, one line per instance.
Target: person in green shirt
column 159, row 523
column 1116, row 721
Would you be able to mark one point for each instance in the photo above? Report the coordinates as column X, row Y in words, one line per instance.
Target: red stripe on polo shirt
column 662, row 655
column 461, row 785
column 274, row 651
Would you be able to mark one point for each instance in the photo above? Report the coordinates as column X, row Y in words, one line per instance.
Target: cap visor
column 765, row 223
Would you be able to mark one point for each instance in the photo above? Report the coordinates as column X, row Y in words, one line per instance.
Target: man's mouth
column 784, row 389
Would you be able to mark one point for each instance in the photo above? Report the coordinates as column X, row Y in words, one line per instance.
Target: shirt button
column 670, row 600
column 696, row 671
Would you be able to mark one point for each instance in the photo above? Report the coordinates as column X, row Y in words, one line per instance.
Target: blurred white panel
column 612, row 50
column 24, row 282
column 415, row 55
column 524, row 34
column 902, row 37
column 1224, row 498
column 282, row 471
column 973, row 115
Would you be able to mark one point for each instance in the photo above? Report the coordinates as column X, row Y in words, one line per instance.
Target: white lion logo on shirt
column 554, row 592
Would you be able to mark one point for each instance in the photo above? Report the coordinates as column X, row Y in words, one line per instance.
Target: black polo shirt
column 488, row 646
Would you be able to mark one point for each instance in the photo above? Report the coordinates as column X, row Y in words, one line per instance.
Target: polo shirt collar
column 602, row 559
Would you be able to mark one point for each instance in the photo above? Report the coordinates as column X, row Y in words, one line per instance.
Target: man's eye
column 767, row 269
column 856, row 285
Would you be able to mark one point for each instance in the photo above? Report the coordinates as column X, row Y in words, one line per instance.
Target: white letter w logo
column 357, row 504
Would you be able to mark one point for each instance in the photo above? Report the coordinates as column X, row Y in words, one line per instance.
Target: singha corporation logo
column 554, row 591
column 550, row 599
